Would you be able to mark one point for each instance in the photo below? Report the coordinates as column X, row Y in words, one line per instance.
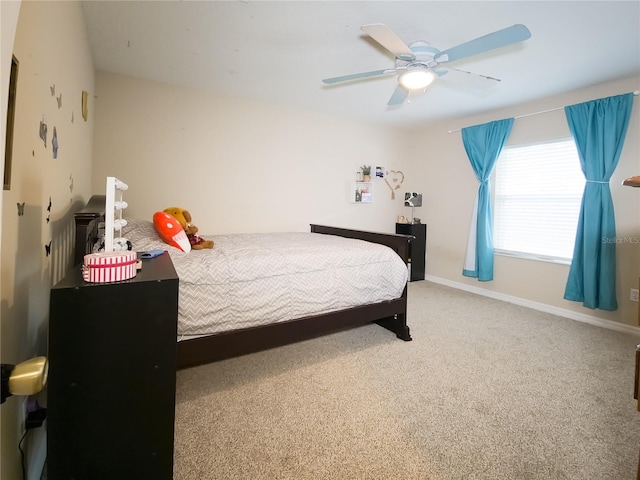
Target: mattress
column 254, row 279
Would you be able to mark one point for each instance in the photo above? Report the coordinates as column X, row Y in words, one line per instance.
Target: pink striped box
column 109, row 266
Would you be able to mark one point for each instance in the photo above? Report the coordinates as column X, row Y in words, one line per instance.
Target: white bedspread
column 255, row 279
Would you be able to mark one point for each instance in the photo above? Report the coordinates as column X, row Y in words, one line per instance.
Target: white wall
column 52, row 49
column 450, row 188
column 240, row 166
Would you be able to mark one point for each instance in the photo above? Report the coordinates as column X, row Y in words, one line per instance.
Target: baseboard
column 543, row 307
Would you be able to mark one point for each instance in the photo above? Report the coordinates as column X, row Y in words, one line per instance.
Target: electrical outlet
column 634, row 295
column 36, row 418
column 35, row 414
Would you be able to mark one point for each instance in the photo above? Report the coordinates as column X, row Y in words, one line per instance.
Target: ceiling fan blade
column 389, row 40
column 398, row 97
column 466, row 73
column 501, row 38
column 470, row 83
column 356, row 76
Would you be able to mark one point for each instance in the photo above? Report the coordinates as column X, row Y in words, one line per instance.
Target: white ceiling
column 279, row 51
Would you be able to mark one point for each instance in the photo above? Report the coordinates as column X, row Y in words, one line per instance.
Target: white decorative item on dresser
column 113, row 216
column 117, row 261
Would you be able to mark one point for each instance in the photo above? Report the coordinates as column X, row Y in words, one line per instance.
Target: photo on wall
column 380, row 172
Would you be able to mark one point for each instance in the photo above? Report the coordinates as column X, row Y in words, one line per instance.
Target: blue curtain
column 483, row 144
column 599, row 128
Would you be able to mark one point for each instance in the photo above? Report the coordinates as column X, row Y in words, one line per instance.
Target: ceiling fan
column 419, row 64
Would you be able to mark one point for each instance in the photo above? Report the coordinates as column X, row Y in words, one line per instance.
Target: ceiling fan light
column 416, row 79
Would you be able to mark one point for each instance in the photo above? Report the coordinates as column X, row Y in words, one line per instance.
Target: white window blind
column 538, row 192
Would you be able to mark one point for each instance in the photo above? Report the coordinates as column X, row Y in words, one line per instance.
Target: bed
column 375, row 272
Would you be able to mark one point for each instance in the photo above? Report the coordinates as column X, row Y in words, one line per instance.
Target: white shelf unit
column 361, row 192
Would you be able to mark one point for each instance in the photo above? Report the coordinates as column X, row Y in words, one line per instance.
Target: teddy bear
column 184, row 218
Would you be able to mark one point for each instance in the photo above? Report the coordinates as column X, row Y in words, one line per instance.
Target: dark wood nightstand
column 112, row 376
column 417, row 248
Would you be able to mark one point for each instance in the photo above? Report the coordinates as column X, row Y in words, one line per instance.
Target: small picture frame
column 412, row 199
column 380, row 172
column 11, row 112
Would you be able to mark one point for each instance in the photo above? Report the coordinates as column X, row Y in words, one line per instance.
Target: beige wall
column 240, row 166
column 450, row 188
column 9, row 16
column 51, row 46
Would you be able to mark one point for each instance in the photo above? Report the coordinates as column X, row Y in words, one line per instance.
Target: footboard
column 396, row 321
column 397, row 242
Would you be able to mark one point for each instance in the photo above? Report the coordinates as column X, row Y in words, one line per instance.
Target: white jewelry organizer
column 113, row 221
column 118, row 261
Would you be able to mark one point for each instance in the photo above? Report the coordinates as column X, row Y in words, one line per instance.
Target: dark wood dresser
column 112, row 376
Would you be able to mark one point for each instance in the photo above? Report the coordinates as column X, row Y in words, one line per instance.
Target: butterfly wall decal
column 20, row 208
column 47, row 248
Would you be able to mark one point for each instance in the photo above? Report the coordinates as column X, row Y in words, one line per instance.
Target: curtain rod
column 635, row 92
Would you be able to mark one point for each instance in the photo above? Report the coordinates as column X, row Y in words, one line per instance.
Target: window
column 538, row 192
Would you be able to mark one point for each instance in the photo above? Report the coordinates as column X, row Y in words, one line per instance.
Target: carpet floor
column 486, row 390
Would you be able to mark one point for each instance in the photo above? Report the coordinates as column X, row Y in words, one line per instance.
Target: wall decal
column 71, row 183
column 71, row 117
column 49, row 207
column 396, row 177
column 20, row 208
column 54, row 143
column 53, row 90
column 59, row 100
column 47, row 248
column 43, row 132
column 85, row 106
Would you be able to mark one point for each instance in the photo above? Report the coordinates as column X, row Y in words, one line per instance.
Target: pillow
column 171, row 231
column 143, row 235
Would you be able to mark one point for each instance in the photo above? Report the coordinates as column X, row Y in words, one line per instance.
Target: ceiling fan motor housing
column 424, row 54
column 418, row 73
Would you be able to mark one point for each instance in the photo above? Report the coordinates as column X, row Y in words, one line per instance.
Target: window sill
column 533, row 256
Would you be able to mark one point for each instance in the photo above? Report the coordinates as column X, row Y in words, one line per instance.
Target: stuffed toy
column 184, row 218
column 170, row 231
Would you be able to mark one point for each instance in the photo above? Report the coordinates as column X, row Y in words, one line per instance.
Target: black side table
column 416, row 248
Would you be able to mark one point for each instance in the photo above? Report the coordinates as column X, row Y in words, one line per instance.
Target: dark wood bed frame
column 391, row 314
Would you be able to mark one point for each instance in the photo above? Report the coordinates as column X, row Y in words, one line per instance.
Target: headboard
column 87, row 221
